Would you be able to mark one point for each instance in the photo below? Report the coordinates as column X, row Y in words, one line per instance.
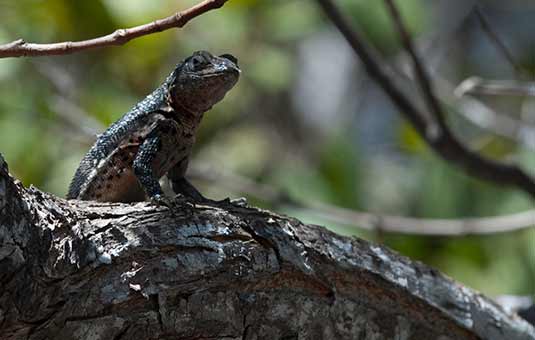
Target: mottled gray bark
column 82, row 270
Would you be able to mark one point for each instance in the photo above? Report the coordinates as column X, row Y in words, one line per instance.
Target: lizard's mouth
column 217, row 72
column 210, row 75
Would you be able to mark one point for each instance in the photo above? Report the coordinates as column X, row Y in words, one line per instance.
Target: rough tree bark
column 82, row 270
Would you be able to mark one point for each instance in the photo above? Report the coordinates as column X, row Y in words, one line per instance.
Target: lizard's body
column 155, row 138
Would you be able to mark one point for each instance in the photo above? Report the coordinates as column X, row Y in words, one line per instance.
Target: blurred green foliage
column 48, row 105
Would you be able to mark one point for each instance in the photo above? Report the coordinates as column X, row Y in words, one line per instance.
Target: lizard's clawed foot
column 240, row 201
column 183, row 199
column 161, row 200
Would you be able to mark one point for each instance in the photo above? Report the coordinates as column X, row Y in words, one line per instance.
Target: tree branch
column 443, row 142
column 71, row 269
column 472, row 109
column 475, row 111
column 421, row 74
column 368, row 220
column 20, row 48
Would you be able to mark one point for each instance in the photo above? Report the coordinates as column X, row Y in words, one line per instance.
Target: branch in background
column 480, row 114
column 479, row 86
column 495, row 39
column 366, row 220
column 446, row 144
column 421, row 75
column 501, row 124
column 470, row 108
column 20, row 48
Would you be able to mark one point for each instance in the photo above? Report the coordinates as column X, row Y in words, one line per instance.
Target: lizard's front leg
column 143, row 169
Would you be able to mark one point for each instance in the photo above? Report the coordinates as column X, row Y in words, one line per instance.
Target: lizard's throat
column 183, row 110
column 186, row 117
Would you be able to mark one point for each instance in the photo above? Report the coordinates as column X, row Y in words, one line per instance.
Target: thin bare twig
column 421, row 74
column 500, row 124
column 495, row 39
column 21, row 48
column 425, row 226
column 367, row 220
column 477, row 112
column 471, row 108
column 446, row 145
column 476, row 85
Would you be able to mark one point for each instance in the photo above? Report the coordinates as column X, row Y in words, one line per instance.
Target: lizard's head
column 202, row 80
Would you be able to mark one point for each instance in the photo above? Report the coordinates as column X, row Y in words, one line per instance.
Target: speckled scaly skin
column 156, row 136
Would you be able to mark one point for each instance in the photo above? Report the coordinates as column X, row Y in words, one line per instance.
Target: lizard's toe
column 183, row 199
column 161, row 200
column 240, row 201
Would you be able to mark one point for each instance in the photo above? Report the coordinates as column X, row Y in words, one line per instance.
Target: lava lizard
column 156, row 136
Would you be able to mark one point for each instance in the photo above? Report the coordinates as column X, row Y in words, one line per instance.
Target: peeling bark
column 83, row 270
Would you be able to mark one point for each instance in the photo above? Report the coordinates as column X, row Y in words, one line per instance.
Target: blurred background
column 304, row 122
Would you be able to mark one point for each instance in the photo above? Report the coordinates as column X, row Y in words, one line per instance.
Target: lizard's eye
column 197, row 61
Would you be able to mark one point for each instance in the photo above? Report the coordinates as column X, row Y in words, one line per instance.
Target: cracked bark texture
column 83, row 270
